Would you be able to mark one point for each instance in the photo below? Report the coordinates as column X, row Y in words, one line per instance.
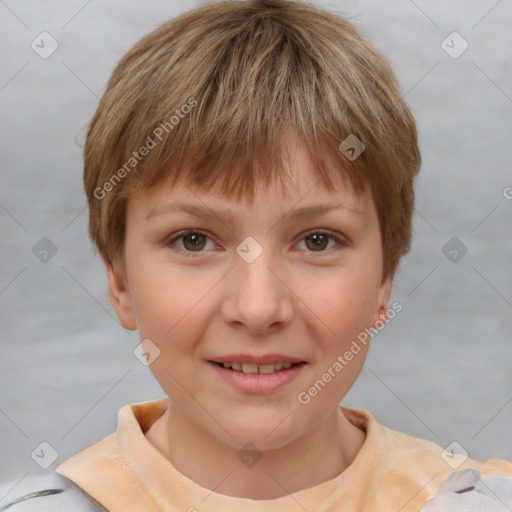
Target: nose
column 258, row 297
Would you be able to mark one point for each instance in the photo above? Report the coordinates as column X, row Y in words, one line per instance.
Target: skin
column 297, row 298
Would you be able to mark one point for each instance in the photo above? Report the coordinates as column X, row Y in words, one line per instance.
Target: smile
column 253, row 378
column 264, row 369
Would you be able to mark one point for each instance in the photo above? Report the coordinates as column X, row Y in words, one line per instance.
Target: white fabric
column 467, row 491
column 47, row 493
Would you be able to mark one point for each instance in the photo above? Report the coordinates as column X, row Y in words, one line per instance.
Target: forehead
column 302, row 184
column 308, row 200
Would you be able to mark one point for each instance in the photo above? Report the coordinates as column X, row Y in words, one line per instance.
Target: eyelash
column 341, row 244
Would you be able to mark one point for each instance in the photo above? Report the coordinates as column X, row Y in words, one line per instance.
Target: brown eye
column 194, row 241
column 319, row 241
column 323, row 243
column 190, row 243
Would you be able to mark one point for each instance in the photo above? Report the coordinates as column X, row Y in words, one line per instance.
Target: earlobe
column 384, row 293
column 120, row 296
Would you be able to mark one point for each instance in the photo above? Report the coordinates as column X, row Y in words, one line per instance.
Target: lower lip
column 257, row 383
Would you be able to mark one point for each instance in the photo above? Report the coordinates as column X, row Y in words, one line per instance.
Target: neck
column 319, row 455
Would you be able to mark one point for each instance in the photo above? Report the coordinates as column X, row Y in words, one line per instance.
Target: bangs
column 259, row 85
column 212, row 97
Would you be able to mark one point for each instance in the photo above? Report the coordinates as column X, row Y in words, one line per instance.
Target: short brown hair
column 226, row 81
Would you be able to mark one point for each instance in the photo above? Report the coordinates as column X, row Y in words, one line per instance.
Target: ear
column 120, row 296
column 384, row 292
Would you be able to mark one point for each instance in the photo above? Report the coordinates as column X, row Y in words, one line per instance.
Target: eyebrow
column 207, row 213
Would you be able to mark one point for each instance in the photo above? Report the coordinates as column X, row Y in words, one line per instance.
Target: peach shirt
column 392, row 472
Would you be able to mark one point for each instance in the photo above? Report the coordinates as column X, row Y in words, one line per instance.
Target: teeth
column 250, row 368
column 267, row 368
column 263, row 369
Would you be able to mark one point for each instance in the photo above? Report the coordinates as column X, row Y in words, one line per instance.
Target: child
column 271, row 136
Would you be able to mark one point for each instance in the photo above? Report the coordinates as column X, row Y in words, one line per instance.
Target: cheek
column 170, row 313
column 343, row 304
column 170, row 304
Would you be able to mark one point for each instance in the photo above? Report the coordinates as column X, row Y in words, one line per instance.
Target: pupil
column 195, row 238
column 318, row 240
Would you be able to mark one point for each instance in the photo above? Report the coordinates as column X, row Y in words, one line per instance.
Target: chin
column 266, row 433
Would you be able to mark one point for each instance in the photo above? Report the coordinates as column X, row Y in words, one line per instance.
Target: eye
column 193, row 242
column 317, row 241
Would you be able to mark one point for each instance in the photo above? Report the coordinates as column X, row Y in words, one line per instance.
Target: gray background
column 440, row 370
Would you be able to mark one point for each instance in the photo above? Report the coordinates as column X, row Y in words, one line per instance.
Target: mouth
column 257, row 375
column 262, row 369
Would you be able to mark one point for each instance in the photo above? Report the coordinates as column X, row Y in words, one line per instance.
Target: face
column 282, row 282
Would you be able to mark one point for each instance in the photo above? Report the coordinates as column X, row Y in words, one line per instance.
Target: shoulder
column 467, row 490
column 457, row 482
column 439, row 478
column 47, row 493
column 404, row 449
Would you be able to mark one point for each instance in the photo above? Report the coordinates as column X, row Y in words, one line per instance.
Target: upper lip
column 258, row 360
